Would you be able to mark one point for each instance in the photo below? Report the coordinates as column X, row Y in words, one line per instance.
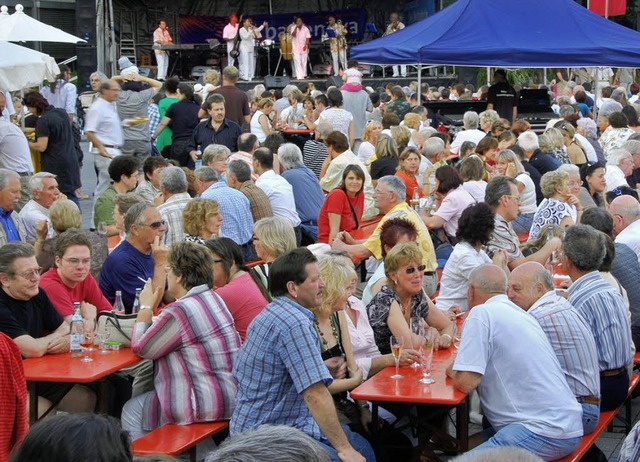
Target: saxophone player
column 394, row 26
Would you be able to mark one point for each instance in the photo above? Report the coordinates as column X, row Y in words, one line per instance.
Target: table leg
column 375, row 428
column 103, row 398
column 462, row 424
column 33, row 402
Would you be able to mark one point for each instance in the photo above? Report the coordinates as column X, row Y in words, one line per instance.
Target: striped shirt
column 572, row 342
column 258, row 200
column 194, row 344
column 171, row 212
column 503, row 237
column 313, row 155
column 603, row 308
column 280, row 359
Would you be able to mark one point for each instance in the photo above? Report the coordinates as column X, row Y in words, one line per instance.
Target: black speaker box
column 468, row 75
column 334, row 81
column 86, row 65
column 276, row 81
column 86, row 20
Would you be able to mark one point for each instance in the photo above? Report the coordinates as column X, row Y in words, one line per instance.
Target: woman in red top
column 342, row 209
column 407, row 171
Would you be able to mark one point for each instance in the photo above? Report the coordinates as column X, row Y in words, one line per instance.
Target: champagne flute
column 417, row 327
column 103, row 335
column 427, row 357
column 397, row 344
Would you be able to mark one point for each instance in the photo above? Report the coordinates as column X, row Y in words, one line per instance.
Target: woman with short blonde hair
column 201, row 220
column 559, row 205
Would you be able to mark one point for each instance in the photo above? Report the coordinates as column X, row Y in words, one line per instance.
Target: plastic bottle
column 76, row 333
column 118, row 306
column 136, row 302
column 415, row 199
column 199, row 156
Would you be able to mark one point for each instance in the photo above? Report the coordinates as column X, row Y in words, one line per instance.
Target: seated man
column 281, row 376
column 531, row 288
column 28, row 317
column 44, row 191
column 70, row 281
column 123, row 171
column 525, row 396
column 142, row 255
column 239, row 177
column 173, row 185
column 11, row 227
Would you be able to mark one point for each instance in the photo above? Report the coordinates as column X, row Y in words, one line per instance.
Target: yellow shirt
column 402, row 210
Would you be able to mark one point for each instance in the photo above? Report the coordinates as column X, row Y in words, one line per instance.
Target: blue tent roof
column 509, row 33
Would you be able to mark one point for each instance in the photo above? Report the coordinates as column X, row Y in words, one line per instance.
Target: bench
column 173, row 439
column 603, row 422
column 636, row 359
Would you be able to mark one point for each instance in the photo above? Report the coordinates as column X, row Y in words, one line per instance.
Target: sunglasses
column 412, row 269
column 155, row 224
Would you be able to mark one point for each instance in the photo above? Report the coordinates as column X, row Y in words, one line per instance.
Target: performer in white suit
column 248, row 36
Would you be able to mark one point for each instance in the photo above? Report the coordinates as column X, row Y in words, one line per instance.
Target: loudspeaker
column 86, row 65
column 86, row 21
column 276, row 81
column 468, row 75
column 334, row 81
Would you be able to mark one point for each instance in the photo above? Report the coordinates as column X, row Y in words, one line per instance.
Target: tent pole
column 488, row 75
column 419, row 90
column 606, row 9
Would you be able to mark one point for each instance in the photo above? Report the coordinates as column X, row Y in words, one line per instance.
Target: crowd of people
column 241, row 235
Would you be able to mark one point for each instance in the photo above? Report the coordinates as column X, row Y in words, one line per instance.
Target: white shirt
column 339, row 119
column 475, row 188
column 455, row 276
column 615, row 177
column 280, row 194
column 229, row 33
column 517, row 387
column 363, row 343
column 631, row 237
column 33, row 213
column 64, row 97
column 255, row 126
column 365, row 151
column 473, row 135
column 589, row 151
column 424, row 165
column 528, row 194
column 14, row 148
column 102, row 119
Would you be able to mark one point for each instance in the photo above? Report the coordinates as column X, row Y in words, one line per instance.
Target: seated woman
column 508, row 164
column 451, row 200
column 556, row 205
column 260, row 123
column 474, row 231
column 193, row 343
column 594, row 185
column 471, row 171
column 201, row 220
column 272, row 236
column 149, row 187
column 384, row 160
column 486, row 150
column 343, row 207
column 408, row 165
column 241, row 290
column 575, row 150
column 369, row 138
column 403, row 298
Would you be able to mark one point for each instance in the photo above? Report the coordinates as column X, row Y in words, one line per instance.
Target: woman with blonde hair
column 385, row 158
column 508, row 164
column 260, row 124
column 401, row 135
column 552, row 142
column 201, row 220
column 369, row 138
column 575, row 151
column 272, row 236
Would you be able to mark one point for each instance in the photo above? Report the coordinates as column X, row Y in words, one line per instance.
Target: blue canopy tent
column 508, row 33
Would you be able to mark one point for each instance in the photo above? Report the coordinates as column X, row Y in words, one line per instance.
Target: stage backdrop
column 197, row 29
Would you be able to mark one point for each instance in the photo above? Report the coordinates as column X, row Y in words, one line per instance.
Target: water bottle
column 136, row 302
column 118, row 306
column 415, row 199
column 76, row 333
column 199, row 156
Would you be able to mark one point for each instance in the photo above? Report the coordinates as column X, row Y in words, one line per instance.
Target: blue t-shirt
column 307, row 191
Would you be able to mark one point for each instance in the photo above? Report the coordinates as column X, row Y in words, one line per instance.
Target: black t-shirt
column 60, row 156
column 35, row 317
column 184, row 119
column 383, row 166
column 503, row 97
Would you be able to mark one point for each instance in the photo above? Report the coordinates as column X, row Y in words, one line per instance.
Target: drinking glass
column 456, row 337
column 427, row 357
column 417, row 327
column 103, row 335
column 397, row 344
column 87, row 340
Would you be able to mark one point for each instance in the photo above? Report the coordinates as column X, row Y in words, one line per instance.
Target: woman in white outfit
column 247, row 62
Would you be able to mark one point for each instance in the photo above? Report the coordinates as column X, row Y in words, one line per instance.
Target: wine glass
column 456, row 337
column 417, row 327
column 397, row 344
column 103, row 335
column 102, row 228
column 87, row 340
column 427, row 357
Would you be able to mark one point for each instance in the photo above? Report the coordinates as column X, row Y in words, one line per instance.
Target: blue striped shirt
column 278, row 361
column 237, row 221
column 572, row 342
column 603, row 308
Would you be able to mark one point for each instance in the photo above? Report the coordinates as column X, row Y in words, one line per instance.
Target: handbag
column 121, row 326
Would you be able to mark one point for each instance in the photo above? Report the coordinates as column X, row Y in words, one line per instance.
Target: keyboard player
column 161, row 36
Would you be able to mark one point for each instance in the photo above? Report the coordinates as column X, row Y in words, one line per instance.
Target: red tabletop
column 64, row 368
column 381, row 387
column 297, row 131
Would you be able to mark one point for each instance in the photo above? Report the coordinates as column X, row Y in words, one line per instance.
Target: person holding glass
column 193, row 342
column 402, row 298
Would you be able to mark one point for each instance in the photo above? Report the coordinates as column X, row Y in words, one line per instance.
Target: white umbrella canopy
column 22, row 67
column 20, row 27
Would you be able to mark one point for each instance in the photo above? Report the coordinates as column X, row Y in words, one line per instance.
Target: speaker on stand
column 87, row 53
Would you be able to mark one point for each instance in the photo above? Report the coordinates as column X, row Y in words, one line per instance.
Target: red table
column 296, row 131
column 65, row 369
column 382, row 388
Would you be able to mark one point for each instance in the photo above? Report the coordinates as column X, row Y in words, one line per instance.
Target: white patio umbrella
column 22, row 67
column 20, row 27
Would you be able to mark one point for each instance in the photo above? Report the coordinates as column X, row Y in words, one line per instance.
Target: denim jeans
column 523, row 223
column 590, row 416
column 358, row 442
column 517, row 435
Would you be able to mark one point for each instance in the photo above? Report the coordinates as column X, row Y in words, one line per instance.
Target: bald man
column 525, row 396
column 531, row 288
column 625, row 211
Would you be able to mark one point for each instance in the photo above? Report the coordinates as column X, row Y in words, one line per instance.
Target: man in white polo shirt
column 104, row 129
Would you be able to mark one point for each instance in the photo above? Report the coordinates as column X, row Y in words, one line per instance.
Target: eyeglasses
column 77, row 261
column 155, row 224
column 513, row 196
column 573, row 184
column 31, row 274
column 412, row 269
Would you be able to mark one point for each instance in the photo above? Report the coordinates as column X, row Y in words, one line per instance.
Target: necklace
column 405, row 306
column 333, row 330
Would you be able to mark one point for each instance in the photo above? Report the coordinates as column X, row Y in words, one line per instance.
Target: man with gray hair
column 247, row 145
column 619, row 167
column 12, row 228
column 15, row 156
column 470, row 121
column 44, row 192
column 173, row 187
column 432, row 152
column 306, row 190
column 632, row 145
column 390, row 198
column 542, row 162
column 527, row 403
column 239, row 177
column 216, row 156
column 603, row 307
column 625, row 211
column 531, row 288
column 205, row 176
